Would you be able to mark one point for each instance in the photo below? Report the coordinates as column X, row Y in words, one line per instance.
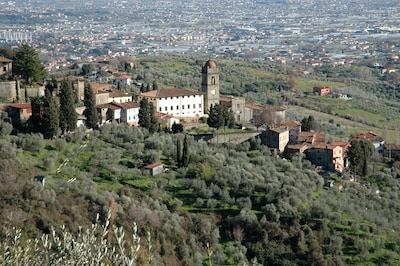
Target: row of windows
column 177, row 107
column 187, row 96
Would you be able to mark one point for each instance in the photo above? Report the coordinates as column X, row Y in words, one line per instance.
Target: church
column 190, row 105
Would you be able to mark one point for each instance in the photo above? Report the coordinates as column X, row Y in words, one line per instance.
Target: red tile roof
column 175, row 92
column 116, row 106
column 154, row 165
column 370, row 136
column 5, row 60
column 118, row 93
column 20, row 105
column 291, row 124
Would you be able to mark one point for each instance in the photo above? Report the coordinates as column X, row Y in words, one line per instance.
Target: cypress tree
column 144, row 115
column 36, row 119
column 26, row 95
column 155, row 85
column 90, row 112
column 68, row 116
column 153, row 120
column 185, row 152
column 179, row 153
column 147, row 118
column 51, row 119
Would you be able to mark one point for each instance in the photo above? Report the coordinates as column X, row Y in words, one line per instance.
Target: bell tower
column 210, row 84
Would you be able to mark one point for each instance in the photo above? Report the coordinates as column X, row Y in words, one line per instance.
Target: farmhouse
column 322, row 90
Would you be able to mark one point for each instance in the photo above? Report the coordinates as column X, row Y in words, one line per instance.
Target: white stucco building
column 126, row 112
column 182, row 103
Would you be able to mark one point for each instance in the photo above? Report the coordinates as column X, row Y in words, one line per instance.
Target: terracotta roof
column 154, row 165
column 343, row 144
column 320, row 138
column 127, row 105
column 162, row 115
column 116, row 106
column 210, row 63
column 305, row 136
column 118, row 93
column 21, row 105
column 291, row 124
column 370, row 136
column 324, row 146
column 5, row 60
column 225, row 98
column 175, row 92
column 99, row 88
column 300, row 146
column 311, row 138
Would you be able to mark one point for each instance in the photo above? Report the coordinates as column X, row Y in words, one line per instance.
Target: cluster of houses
column 173, row 105
column 288, row 140
column 177, row 105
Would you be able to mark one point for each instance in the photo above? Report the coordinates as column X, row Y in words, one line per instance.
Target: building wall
column 239, row 110
column 130, row 115
column 102, row 98
column 276, row 139
column 182, row 106
column 8, row 91
column 121, row 99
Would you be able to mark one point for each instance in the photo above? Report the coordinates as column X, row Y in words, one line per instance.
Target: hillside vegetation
column 232, row 204
column 227, row 205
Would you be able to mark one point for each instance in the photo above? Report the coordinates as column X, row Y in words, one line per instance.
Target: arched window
column 212, row 80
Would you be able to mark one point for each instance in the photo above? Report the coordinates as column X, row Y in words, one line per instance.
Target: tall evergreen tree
column 358, row 153
column 185, row 152
column 144, row 113
column 308, row 124
column 215, row 117
column 28, row 65
column 179, row 153
column 147, row 118
column 155, row 85
column 153, row 120
column 51, row 119
column 90, row 112
column 36, row 119
column 68, row 116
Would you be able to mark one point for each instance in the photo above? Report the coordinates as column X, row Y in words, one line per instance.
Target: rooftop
column 175, row 92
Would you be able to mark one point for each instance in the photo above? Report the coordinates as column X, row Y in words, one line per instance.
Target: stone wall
column 8, row 92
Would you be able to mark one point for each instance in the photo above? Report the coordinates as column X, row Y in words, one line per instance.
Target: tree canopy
column 147, row 117
column 28, row 65
column 68, row 115
column 90, row 112
column 359, row 153
column 219, row 116
column 308, row 124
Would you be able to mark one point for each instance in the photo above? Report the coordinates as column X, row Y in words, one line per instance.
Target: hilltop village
column 188, row 107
